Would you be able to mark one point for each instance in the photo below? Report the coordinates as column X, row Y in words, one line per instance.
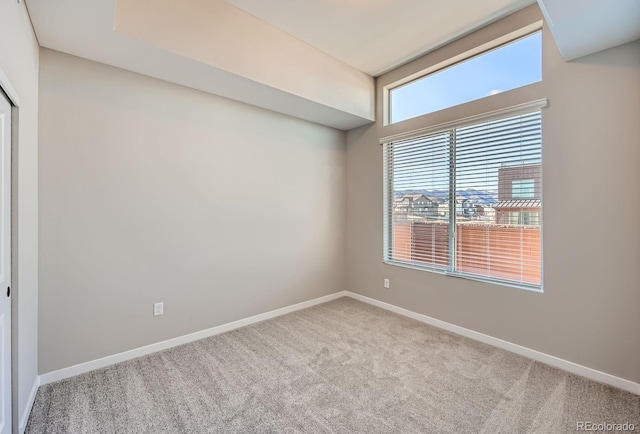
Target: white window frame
column 388, row 193
column 492, row 45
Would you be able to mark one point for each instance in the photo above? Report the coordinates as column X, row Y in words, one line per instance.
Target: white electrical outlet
column 386, row 283
column 158, row 309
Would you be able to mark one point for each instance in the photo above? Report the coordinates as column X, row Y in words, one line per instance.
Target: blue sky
column 508, row 67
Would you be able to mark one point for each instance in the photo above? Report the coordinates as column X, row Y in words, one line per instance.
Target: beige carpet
column 343, row 367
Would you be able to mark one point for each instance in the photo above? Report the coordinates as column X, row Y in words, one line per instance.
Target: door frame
column 7, row 88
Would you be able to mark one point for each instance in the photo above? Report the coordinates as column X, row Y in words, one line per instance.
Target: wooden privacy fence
column 500, row 251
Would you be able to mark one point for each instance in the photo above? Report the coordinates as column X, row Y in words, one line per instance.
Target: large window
column 467, row 199
column 506, row 67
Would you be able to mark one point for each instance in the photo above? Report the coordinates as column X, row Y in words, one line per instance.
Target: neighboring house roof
column 416, row 196
column 518, row 203
column 412, row 198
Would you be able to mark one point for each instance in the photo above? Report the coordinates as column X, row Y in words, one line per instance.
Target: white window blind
column 467, row 200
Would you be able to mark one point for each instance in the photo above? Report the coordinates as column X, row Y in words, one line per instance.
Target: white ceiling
column 375, row 36
column 594, row 26
column 87, row 29
column 312, row 59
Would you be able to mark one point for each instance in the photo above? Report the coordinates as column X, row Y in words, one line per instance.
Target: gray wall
column 19, row 61
column 588, row 313
column 155, row 192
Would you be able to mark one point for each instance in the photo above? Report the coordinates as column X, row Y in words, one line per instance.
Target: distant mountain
column 480, row 197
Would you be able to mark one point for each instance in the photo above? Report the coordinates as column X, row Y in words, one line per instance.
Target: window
column 478, row 230
column 526, row 218
column 522, row 188
column 506, row 67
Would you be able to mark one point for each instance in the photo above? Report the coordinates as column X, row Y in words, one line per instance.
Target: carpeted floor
column 343, row 367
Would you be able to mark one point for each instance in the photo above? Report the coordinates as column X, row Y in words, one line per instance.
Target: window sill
column 460, row 275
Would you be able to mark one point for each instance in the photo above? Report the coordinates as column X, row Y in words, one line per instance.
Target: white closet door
column 5, row 265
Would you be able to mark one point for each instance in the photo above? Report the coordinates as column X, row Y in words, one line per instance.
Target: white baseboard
column 81, row 368
column 27, row 411
column 574, row 368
